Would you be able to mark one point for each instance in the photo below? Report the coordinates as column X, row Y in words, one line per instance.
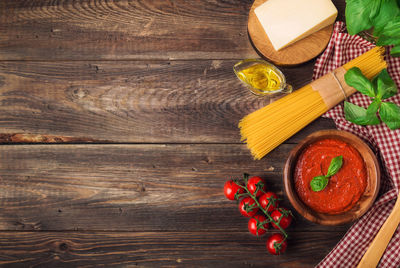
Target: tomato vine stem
column 265, row 211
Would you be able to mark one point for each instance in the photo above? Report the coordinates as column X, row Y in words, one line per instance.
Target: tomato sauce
column 344, row 188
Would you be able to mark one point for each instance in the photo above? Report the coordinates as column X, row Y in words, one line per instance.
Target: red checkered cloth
column 349, row 251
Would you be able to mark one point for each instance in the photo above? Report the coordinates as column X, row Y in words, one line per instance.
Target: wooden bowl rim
column 368, row 197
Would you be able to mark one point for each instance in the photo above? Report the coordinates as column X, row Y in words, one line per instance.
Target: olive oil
column 261, row 77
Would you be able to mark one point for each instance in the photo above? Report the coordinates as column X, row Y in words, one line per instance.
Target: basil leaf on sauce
column 335, row 165
column 319, row 183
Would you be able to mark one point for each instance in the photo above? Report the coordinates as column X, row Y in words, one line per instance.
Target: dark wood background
column 118, row 129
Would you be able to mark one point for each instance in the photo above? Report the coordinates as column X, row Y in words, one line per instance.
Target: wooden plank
column 123, row 30
column 129, row 101
column 161, row 249
column 130, row 187
column 152, row 29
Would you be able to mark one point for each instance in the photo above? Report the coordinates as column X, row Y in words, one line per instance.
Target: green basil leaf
column 388, row 10
column 384, row 85
column 359, row 13
column 358, row 115
column 390, row 114
column 390, row 35
column 373, row 108
column 392, row 27
column 356, row 79
column 387, row 40
column 395, row 52
column 318, row 183
column 336, row 164
column 375, row 7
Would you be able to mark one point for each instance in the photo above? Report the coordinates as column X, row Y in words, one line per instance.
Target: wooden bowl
column 365, row 201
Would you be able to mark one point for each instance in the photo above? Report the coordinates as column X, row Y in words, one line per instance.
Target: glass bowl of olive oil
column 261, row 77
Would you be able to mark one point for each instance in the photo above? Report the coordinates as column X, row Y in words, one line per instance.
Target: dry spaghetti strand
column 266, row 128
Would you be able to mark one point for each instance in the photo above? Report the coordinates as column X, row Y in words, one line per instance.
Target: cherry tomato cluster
column 262, row 207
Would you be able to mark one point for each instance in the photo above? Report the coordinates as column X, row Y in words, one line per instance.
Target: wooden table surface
column 118, row 129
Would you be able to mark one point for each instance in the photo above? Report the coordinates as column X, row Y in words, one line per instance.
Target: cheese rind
column 287, row 21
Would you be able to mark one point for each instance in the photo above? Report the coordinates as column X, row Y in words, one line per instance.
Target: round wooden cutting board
column 297, row 53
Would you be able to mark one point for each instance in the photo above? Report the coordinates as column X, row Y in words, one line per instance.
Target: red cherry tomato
column 269, row 197
column 231, row 188
column 248, row 207
column 252, row 185
column 286, row 219
column 275, row 245
column 254, row 225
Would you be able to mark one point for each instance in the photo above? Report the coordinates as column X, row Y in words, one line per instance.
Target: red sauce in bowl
column 344, row 188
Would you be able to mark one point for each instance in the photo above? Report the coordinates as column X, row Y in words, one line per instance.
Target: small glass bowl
column 267, row 86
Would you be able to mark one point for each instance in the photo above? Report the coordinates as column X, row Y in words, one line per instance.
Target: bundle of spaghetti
column 268, row 127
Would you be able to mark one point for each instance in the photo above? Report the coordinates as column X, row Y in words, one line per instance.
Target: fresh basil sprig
column 383, row 16
column 380, row 88
column 319, row 183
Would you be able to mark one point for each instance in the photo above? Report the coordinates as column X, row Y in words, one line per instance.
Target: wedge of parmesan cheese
column 287, row 21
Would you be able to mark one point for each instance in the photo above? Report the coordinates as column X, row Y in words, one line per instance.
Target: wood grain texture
column 130, row 187
column 148, row 87
column 178, row 29
column 149, row 249
column 129, row 101
column 39, row 138
column 123, row 29
column 297, row 53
